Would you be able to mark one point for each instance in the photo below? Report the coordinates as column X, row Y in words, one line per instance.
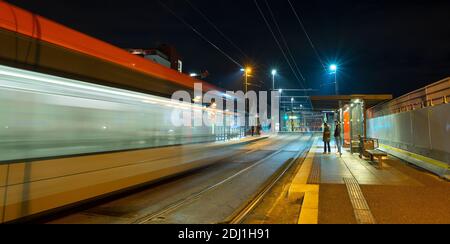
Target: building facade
column 165, row 55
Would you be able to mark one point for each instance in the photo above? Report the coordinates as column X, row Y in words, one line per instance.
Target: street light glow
column 248, row 70
column 274, row 72
column 333, row 67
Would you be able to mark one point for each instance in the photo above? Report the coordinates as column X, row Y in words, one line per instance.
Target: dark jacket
column 327, row 134
column 337, row 131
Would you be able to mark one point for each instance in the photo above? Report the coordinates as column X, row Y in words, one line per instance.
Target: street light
column 279, row 101
column 292, row 113
column 274, row 72
column 334, row 69
column 247, row 71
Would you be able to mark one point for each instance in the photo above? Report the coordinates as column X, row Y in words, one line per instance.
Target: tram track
column 239, row 216
column 160, row 214
column 193, row 197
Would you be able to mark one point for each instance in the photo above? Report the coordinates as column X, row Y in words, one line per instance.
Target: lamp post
column 334, row 70
column 280, row 92
column 248, row 71
column 292, row 115
column 292, row 103
column 274, row 72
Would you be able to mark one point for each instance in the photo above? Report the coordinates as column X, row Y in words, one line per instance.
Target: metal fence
column 422, row 135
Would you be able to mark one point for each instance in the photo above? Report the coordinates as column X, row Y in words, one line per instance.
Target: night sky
column 381, row 46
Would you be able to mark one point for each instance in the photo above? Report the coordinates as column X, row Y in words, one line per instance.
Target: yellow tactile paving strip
column 362, row 211
column 314, row 178
column 310, row 192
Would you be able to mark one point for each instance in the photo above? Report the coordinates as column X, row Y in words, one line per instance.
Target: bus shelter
column 350, row 111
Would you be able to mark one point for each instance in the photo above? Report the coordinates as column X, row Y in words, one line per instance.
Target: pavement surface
column 398, row 193
column 356, row 191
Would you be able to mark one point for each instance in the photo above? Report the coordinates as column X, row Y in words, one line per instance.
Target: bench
column 378, row 155
column 365, row 144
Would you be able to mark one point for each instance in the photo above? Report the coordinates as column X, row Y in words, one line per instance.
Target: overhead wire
column 199, row 33
column 217, row 28
column 307, row 35
column 286, row 45
column 277, row 42
column 284, row 40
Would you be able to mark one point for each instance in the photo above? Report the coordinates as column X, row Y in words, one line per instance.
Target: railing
column 429, row 96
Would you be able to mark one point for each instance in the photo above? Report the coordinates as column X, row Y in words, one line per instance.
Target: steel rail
column 243, row 213
column 170, row 208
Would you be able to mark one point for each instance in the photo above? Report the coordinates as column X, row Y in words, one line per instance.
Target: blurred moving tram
column 80, row 118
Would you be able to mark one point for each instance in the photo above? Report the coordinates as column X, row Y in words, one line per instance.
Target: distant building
column 174, row 57
column 165, row 55
column 158, row 57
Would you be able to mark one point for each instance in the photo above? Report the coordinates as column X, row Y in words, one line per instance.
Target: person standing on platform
column 327, row 138
column 338, row 138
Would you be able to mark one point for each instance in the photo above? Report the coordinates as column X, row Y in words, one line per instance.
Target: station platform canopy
column 331, row 103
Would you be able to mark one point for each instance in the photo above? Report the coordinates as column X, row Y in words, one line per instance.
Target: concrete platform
column 355, row 191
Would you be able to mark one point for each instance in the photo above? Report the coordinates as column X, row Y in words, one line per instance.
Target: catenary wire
column 286, row 45
column 284, row 40
column 199, row 34
column 307, row 35
column 217, row 28
column 277, row 41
